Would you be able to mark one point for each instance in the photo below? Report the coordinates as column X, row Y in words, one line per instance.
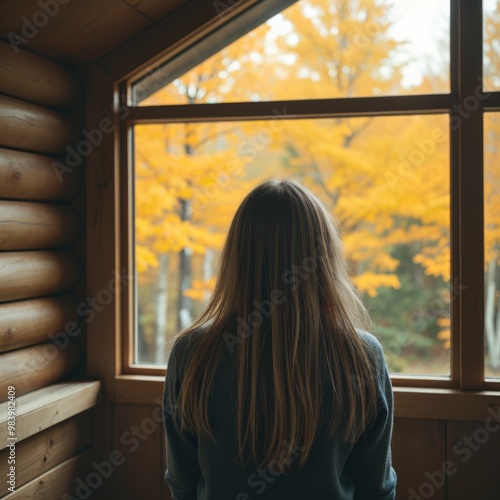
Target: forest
column 386, row 179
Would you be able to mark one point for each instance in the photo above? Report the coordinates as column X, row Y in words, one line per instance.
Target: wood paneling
column 27, row 176
column 142, row 454
column 138, row 389
column 39, row 453
column 30, row 226
column 80, row 31
column 58, row 481
column 466, row 173
column 33, row 274
column 474, row 448
column 48, row 406
column 103, row 351
column 35, row 367
column 33, row 78
column 103, row 227
column 418, row 446
column 29, row 322
column 445, row 404
column 32, row 127
column 173, row 34
column 153, row 9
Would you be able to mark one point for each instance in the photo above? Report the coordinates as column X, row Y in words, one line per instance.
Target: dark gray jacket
column 200, row 469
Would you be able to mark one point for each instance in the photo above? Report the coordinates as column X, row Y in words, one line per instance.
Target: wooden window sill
column 46, row 407
column 409, row 402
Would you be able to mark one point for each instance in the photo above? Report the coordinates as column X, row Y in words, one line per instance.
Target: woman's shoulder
column 374, row 350
column 370, row 340
column 184, row 343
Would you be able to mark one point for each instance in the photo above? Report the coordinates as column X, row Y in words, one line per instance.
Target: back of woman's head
column 285, row 308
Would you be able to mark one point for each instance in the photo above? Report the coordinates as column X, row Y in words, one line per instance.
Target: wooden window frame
column 125, row 382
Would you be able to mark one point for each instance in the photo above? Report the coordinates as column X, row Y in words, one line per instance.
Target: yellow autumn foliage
column 385, row 179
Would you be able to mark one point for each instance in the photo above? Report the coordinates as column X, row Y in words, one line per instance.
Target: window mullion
column 313, row 108
column 467, row 190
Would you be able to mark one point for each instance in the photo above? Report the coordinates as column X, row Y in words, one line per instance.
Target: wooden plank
column 31, row 225
column 46, row 407
column 103, row 225
column 142, row 456
column 74, row 34
column 103, row 351
column 444, row 403
column 35, row 367
column 172, row 34
column 408, row 402
column 138, row 389
column 153, row 9
column 418, row 446
column 79, row 246
column 473, row 448
column 27, row 176
column 43, row 451
column 29, row 322
column 455, row 273
column 33, row 78
column 58, row 481
column 37, row 273
column 491, row 101
column 468, row 145
column 32, row 127
column 217, row 34
column 316, row 108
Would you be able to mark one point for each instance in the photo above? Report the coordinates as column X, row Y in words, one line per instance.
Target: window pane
column 491, row 47
column 492, row 242
column 321, row 49
column 386, row 179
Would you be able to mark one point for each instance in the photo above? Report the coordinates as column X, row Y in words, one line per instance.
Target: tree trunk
column 207, row 268
column 184, row 314
column 161, row 310
column 185, row 303
column 495, row 356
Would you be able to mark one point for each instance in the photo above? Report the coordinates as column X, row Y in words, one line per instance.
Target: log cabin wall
column 42, row 345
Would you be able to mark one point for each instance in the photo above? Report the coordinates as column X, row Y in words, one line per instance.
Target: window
column 371, row 113
column 491, row 44
column 492, row 242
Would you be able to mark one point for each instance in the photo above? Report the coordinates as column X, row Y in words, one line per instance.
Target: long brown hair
column 284, row 275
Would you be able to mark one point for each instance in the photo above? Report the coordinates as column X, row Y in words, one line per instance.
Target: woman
column 276, row 391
